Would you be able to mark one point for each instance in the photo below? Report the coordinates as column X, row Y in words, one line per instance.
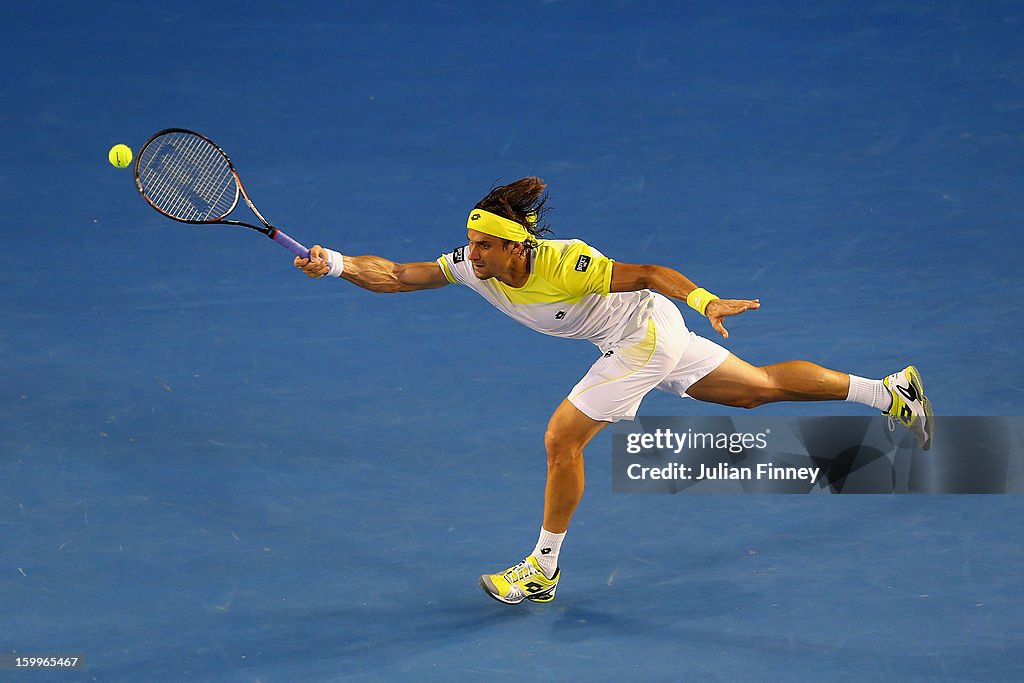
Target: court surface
column 216, row 469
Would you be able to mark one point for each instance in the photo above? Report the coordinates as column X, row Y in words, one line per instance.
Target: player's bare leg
column 569, row 430
column 738, row 383
column 899, row 396
column 536, row 577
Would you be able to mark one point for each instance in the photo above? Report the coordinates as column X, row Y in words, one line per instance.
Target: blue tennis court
column 217, row 469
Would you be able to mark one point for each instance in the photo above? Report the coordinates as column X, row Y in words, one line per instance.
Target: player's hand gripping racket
column 185, row 176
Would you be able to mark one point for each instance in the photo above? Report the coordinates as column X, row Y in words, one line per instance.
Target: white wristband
column 337, row 263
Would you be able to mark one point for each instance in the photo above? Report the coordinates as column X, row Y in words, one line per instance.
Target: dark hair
column 522, row 201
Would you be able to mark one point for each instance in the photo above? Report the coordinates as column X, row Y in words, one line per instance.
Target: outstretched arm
column 628, row 277
column 375, row 273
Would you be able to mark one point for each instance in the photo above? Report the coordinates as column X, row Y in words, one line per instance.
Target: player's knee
column 751, row 397
column 757, row 393
column 554, row 441
column 752, row 401
column 561, row 447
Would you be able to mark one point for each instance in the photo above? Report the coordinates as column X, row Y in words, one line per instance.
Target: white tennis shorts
column 664, row 356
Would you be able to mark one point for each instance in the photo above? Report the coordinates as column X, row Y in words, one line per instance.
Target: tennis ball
column 120, row 155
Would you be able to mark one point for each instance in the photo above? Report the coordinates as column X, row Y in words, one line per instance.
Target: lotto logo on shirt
column 459, row 255
column 583, row 263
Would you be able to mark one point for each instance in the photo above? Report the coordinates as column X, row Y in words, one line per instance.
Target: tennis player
column 567, row 288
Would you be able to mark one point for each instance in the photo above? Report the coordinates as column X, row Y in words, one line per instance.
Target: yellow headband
column 492, row 224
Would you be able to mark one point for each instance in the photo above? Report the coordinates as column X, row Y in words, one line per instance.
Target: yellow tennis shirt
column 567, row 293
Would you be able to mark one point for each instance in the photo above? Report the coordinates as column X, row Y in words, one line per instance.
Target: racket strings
column 187, row 178
column 194, row 173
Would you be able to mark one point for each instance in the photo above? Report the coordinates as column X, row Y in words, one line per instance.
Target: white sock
column 546, row 551
column 870, row 392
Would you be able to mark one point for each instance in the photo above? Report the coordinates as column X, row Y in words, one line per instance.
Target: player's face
column 489, row 255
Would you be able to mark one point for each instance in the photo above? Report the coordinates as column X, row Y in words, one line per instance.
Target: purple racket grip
column 290, row 244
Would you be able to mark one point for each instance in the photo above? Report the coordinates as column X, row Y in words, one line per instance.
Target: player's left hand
column 719, row 309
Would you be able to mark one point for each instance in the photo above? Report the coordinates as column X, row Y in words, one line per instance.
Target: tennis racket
column 187, row 177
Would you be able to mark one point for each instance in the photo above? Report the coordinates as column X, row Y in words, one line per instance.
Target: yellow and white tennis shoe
column 525, row 580
column 910, row 406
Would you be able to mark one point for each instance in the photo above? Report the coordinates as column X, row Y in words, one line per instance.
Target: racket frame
column 267, row 229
